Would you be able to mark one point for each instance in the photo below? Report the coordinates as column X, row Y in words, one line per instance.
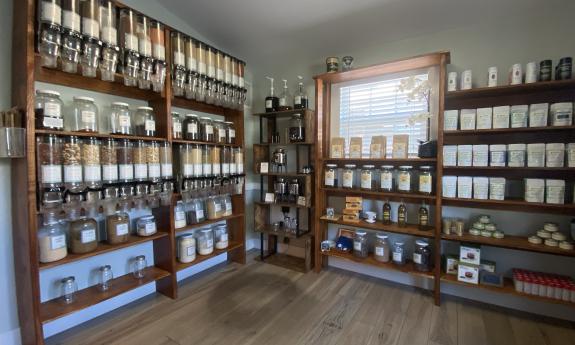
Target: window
column 381, row 107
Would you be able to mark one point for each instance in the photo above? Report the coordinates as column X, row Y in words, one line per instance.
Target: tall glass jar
column 51, row 238
column 166, row 160
column 296, row 129
column 386, row 178
column 219, row 131
column 91, row 162
column 48, row 110
column 349, row 176
column 404, row 179
column 221, row 236
column 197, row 160
column 230, row 132
column 207, row 160
column 125, row 156
column 120, row 119
column 109, row 157
column 226, row 160
column 330, row 176
column 205, row 242
column 207, row 130
column 129, row 45
column 91, row 53
column 49, row 40
column 153, row 159
column 145, row 121
column 192, row 127
column 186, row 161
column 109, row 35
column 398, row 253
column 360, row 249
column 72, row 159
column 177, row 126
column 140, row 161
column 422, row 256
column 84, row 116
column 145, row 50
column 178, row 63
column 367, row 178
column 216, row 160
column 425, row 180
column 382, row 249
column 239, row 160
column 50, row 159
column 186, row 248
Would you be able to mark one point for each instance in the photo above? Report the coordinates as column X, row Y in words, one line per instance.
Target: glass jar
column 117, row 225
column 68, row 289
column 51, row 238
column 192, row 127
column 120, row 119
column 205, row 241
column 109, row 159
column 296, row 128
column 207, row 130
column 91, row 163
column 48, row 110
column 146, row 226
column 196, row 155
column 360, row 244
column 386, row 178
column 166, row 163
column 330, row 176
column 227, row 205
column 83, row 235
column 190, row 54
column 109, row 36
column 398, row 254
column 382, row 250
column 214, row 207
column 404, row 179
column 187, row 249
column 425, row 180
column 50, row 19
column 201, row 57
column 145, row 121
column 72, row 39
column 221, row 236
column 239, row 160
column 125, row 156
column 186, row 165
column 50, row 159
column 349, row 176
column 226, row 160
column 91, row 31
column 207, row 160
column 140, row 161
column 105, row 278
column 220, row 131
column 72, row 159
column 139, row 267
column 179, row 215
column 422, row 256
column 145, row 50
column 195, row 211
column 230, row 132
column 216, row 160
column 84, row 117
column 368, row 177
column 177, row 132
column 153, row 159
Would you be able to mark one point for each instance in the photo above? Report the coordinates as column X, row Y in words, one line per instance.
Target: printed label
column 397, row 257
column 110, row 172
column 225, row 168
column 192, row 128
column 210, row 243
column 232, row 133
column 180, row 215
column 191, row 63
column 209, row 129
column 228, row 206
column 297, row 100
column 140, row 171
column 88, row 236
column 199, row 214
column 220, row 74
column 221, row 134
column 124, row 120
column 159, row 52
column 269, row 104
column 216, row 169
column 88, row 117
column 241, row 82
column 224, row 238
column 234, row 79
column 90, row 27
column 233, row 168
column 283, row 102
column 145, row 46
column 154, row 170
column 150, row 228
column 379, row 251
column 211, row 71
column 71, row 20
column 167, row 169
column 92, row 173
column 197, row 169
column 207, row 168
column 126, row 171
column 177, row 127
column 72, row 173
column 417, row 258
column 191, row 251
column 150, row 125
column 357, row 246
column 218, row 207
column 57, row 242
column 52, row 109
column 122, row 229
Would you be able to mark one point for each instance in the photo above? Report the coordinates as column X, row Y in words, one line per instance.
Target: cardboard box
column 484, row 118
column 487, row 266
column 480, row 187
column 538, row 114
column 467, row 119
column 470, row 254
column 501, row 116
column 464, row 155
column 449, row 186
column 350, row 211
column 519, row 116
column 350, row 218
column 450, row 155
column 450, row 120
column 464, row 187
column 355, row 147
column 354, row 206
column 400, row 146
column 468, row 273
column 450, row 264
column 337, row 149
column 378, row 147
column 491, row 279
column 480, row 155
column 353, row 199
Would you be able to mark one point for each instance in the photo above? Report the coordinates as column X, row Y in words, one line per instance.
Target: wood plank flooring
column 265, row 304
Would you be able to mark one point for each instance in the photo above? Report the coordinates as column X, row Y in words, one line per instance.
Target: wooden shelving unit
column 26, row 71
column 380, row 195
column 410, row 229
column 232, row 246
column 512, row 205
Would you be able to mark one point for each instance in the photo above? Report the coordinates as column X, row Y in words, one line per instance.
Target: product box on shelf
column 467, row 119
column 355, row 147
column 501, row 116
column 400, row 146
column 480, row 155
column 449, row 186
column 491, row 279
column 536, row 155
column 464, row 155
column 450, row 155
column 480, row 187
column 450, row 263
column 350, row 211
column 518, row 116
column 468, row 273
column 497, row 188
column 450, row 120
column 464, row 187
column 378, row 147
column 470, row 254
column 497, row 155
column 488, row 266
column 534, row 190
column 538, row 114
column 351, row 218
column 555, row 191
column 554, row 155
column 484, row 118
column 337, row 149
column 561, row 114
column 358, row 199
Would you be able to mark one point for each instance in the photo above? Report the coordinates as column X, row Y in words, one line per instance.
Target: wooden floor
column 264, row 304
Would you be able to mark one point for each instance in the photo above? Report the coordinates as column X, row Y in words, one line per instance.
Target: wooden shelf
column 512, row 204
column 280, row 204
column 55, row 309
column 201, row 258
column 408, row 268
column 285, row 113
column 547, row 129
column 379, row 195
column 190, row 104
column 208, row 222
column 512, row 172
column 509, row 242
column 96, row 135
column 184, row 141
column 286, row 174
column 282, row 232
column 507, row 288
column 103, row 248
column 526, row 135
column 381, row 161
column 410, row 229
column 508, row 90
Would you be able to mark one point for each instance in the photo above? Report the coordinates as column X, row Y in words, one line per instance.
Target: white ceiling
column 260, row 30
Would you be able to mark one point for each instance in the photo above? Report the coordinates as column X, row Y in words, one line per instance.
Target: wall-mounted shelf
column 511, row 172
column 378, row 195
column 409, row 229
column 209, row 222
column 284, row 113
column 97, row 135
column 512, row 205
column 381, row 161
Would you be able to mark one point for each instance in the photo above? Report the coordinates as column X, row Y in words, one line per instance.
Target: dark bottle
column 423, row 216
column 402, row 215
column 272, row 102
column 300, row 98
column 386, row 213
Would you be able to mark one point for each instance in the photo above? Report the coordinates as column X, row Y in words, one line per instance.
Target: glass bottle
column 84, row 117
column 197, row 160
column 382, row 249
column 221, row 236
column 48, row 110
column 129, row 45
column 92, row 51
column 285, row 98
column 153, row 160
column 205, row 241
column 423, row 217
column 398, row 254
column 140, row 161
column 72, row 159
column 83, row 232
column 145, row 121
column 219, row 131
column 402, row 215
column 186, row 248
column 117, row 224
column 300, row 100
column 91, row 163
column 272, row 101
column 360, row 249
column 157, row 36
column 109, row 36
column 145, row 51
column 139, row 267
column 120, row 119
column 191, row 87
column 106, row 276
column 166, row 160
column 125, row 158
column 214, row 207
column 296, row 129
column 207, row 160
column 51, row 237
column 71, row 37
column 68, row 288
column 330, row 176
column 387, row 213
column 50, row 30
column 177, row 126
column 207, row 130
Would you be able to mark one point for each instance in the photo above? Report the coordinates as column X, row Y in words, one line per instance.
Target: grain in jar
column 425, row 180
column 422, row 256
column 140, row 161
column 386, row 178
column 186, row 248
column 239, row 160
column 51, row 238
column 214, row 207
column 117, row 224
column 195, row 211
column 382, row 249
column 179, row 215
column 72, row 159
column 398, row 254
column 48, row 110
column 227, row 205
column 404, row 179
column 216, row 160
column 109, row 158
column 91, row 162
column 145, row 122
column 367, row 178
column 349, row 176
column 221, row 236
column 207, row 160
column 166, row 163
column 146, row 226
column 196, row 153
column 186, row 163
column 205, row 241
column 153, row 159
column 83, row 233
column 125, row 157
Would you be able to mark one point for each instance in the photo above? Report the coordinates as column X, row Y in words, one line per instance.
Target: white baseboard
column 12, row 337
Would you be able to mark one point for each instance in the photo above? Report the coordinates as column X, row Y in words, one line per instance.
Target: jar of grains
column 117, row 224
column 186, row 165
column 398, row 253
column 214, row 207
column 422, row 256
column 367, row 177
column 83, row 233
column 205, row 241
column 220, row 131
column 140, row 161
column 91, row 163
column 226, row 160
column 192, row 127
column 404, row 179
column 195, row 212
column 84, row 115
column 120, row 119
column 216, row 161
column 146, row 226
column 153, row 159
column 382, row 250
column 51, row 238
column 72, row 159
column 207, row 160
column 187, row 248
column 48, row 110
column 166, row 164
column 109, row 159
column 230, row 132
column 145, row 121
column 221, row 236
column 125, row 156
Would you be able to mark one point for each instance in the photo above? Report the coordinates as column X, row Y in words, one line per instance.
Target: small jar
column 145, row 121
column 120, row 119
column 48, row 110
column 140, row 161
column 422, row 256
column 72, row 159
column 382, row 249
column 516, row 155
column 330, row 176
column 179, row 215
column 166, row 161
column 349, row 176
column 91, row 163
column 367, row 178
column 386, row 178
column 404, row 179
column 205, row 241
column 125, row 156
column 139, row 267
column 84, row 116
column 425, row 180
column 105, row 278
column 177, row 126
column 398, row 253
column 191, row 127
column 230, row 132
column 360, row 244
column 195, row 212
column 146, row 226
column 220, row 131
column 109, row 159
column 187, row 249
column 68, row 288
column 214, row 208
column 207, row 130
column 221, row 236
column 153, row 160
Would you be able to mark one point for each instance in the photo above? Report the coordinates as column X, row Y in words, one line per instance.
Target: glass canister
column 125, row 156
column 230, row 132
column 192, row 127
column 386, row 178
column 48, row 110
column 91, row 162
column 196, row 151
column 92, row 51
column 140, row 161
column 84, row 116
column 145, row 50
column 239, row 160
column 72, row 159
column 219, row 131
column 382, row 249
column 227, row 69
column 425, row 180
column 422, row 256
column 139, row 265
column 177, row 132
column 51, row 238
column 50, row 159
column 221, row 236
column 178, row 63
column 146, row 226
column 153, row 159
column 157, row 35
column 367, row 177
column 205, row 241
column 227, row 203
column 120, row 119
column 330, row 176
column 195, row 211
column 404, row 178
column 117, row 224
column 187, row 248
column 166, row 160
column 186, row 162
column 216, row 160
column 207, row 160
column 179, row 215
column 190, row 54
column 83, row 233
column 49, row 40
column 349, row 176
column 234, row 64
column 360, row 244
column 226, row 160
column 129, row 45
column 109, row 158
column 214, row 207
column 220, row 67
column 72, row 39
column 233, row 165
column 106, row 277
column 109, row 36
column 296, row 128
column 207, row 130
column 398, row 254
column 145, row 121
column 68, row 288
column 201, row 57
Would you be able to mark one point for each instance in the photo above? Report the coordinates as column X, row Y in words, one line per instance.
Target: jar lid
column 331, row 165
column 191, row 115
column 229, row 122
column 566, row 245
column 543, row 234
column 369, row 166
column 551, row 227
column 332, row 59
column 361, row 232
column 425, row 167
column 186, row 236
column 175, row 113
column 382, row 236
column 48, row 92
column 421, row 243
column 140, row 257
column 147, row 218
column 145, row 108
column 105, row 268
column 83, row 98
column 351, row 166
column 398, row 243
column 387, row 166
column 405, row 167
column 551, row 242
column 121, row 104
column 68, row 279
column 558, row 236
column 206, row 118
column 205, row 230
column 222, row 121
column 498, row 234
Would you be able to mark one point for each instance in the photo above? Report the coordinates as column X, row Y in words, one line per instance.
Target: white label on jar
column 53, row 122
column 357, row 245
column 221, row 134
column 126, row 171
column 90, row 27
column 209, row 129
column 110, row 172
column 192, row 128
column 241, row 82
column 397, row 257
column 283, row 102
column 109, row 34
column 417, row 258
column 228, row 206
column 177, row 127
column 190, row 251
column 88, row 117
column 51, row 12
column 72, row 173
column 57, row 242
column 150, row 125
column 232, row 133
column 297, row 100
column 71, row 20
column 240, row 168
column 140, row 171
column 150, row 228
column 167, row 169
column 210, row 243
column 366, row 180
column 379, row 251
column 154, row 170
column 330, row 178
column 197, row 169
column 191, row 63
column 234, row 79
column 52, row 109
column 269, row 104
column 218, row 207
column 425, row 184
column 224, row 238
column 199, row 214
column 404, row 182
column 207, row 168
column 225, row 168
column 188, row 169
column 220, row 74
column 202, row 68
column 122, row 229
column 145, row 46
column 159, row 51
column 348, row 179
column 386, row 180
column 124, row 120
column 216, row 169
column 88, row 236
column 130, row 41
column 233, row 168
column 211, row 71
column 92, row 173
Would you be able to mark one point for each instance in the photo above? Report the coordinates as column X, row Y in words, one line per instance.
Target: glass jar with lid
column 398, row 254
column 349, row 176
column 125, row 156
column 226, row 160
column 72, row 159
column 179, row 215
column 205, row 241
column 177, row 126
column 50, row 159
column 367, row 177
column 214, row 207
column 186, row 248
column 207, row 130
column 239, row 160
column 140, row 161
column 166, row 163
column 109, row 159
column 230, row 132
column 219, row 131
column 404, row 179
column 360, row 244
column 120, row 119
column 296, row 129
column 178, row 63
column 422, row 256
column 146, row 226
column 145, row 122
column 84, row 115
column 91, row 162
column 382, row 249
column 425, row 180
column 49, row 40
column 227, row 204
column 216, row 160
column 192, row 127
column 207, row 160
column 221, row 236
column 153, row 160
column 330, row 176
column 186, row 162
column 83, row 232
column 51, row 237
column 109, row 36
column 48, row 110
column 72, row 39
column 195, row 211
column 386, row 178
column 233, row 165
column 117, row 224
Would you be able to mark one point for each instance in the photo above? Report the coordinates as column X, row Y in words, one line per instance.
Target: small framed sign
column 264, row 167
column 269, row 197
column 301, row 201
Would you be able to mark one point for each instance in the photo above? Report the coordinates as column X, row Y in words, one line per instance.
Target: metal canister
column 294, row 190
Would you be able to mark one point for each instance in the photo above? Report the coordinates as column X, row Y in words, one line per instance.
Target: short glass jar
column 220, row 131
column 330, row 176
column 422, row 256
column 177, row 126
column 386, row 178
column 117, row 226
column 146, row 226
column 230, row 132
column 214, row 207
column 426, row 180
column 186, row 248
column 84, row 115
column 48, row 110
column 205, row 241
column 83, row 235
column 398, row 253
column 360, row 249
column 207, row 130
column 51, row 238
column 145, row 122
column 221, row 236
column 367, row 178
column 191, row 127
column 382, row 249
column 120, row 119
column 195, row 211
column 349, row 176
column 179, row 215
column 404, row 179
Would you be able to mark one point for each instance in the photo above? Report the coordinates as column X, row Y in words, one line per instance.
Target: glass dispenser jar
column 360, row 249
column 192, row 67
column 140, row 161
column 202, row 71
column 129, row 45
column 145, row 121
column 239, row 160
column 186, row 248
column 157, row 36
column 92, row 51
column 349, row 176
column 125, row 156
column 186, row 161
column 214, row 208
column 235, row 77
column 91, row 163
column 207, row 130
column 120, row 119
column 72, row 159
column 197, row 160
column 230, row 132
column 71, row 37
column 50, row 32
column 226, row 160
column 153, row 159
column 50, row 159
column 166, row 163
column 192, row 127
column 216, row 160
column 207, row 160
column 205, row 241
column 83, row 232
column 297, row 129
column 220, row 131
column 145, row 51
column 84, row 117
column 221, row 236
column 109, row 37
column 51, row 237
column 367, row 177
column 179, row 64
column 48, row 110
column 177, row 126
column 404, row 179
column 109, row 157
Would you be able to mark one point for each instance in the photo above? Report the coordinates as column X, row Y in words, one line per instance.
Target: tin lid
column 425, row 167
column 381, row 236
column 350, row 166
column 68, row 279
column 369, row 166
column 147, row 218
column 145, row 108
column 48, row 92
column 361, row 232
column 387, row 167
column 121, row 104
column 83, row 98
column 421, row 243
column 331, row 165
column 106, row 268
column 405, row 167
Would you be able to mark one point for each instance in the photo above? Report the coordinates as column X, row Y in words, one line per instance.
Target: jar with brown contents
column 91, row 163
column 72, row 157
column 140, row 161
column 207, row 160
column 153, row 159
column 83, row 233
column 49, row 150
column 216, row 166
column 186, row 165
column 125, row 157
column 166, row 164
column 109, row 159
column 117, row 224
column 197, row 160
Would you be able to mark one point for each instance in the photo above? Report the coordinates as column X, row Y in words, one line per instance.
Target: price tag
column 264, row 167
column 269, row 197
column 301, row 201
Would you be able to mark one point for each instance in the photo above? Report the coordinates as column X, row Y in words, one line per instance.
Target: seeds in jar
column 72, row 154
column 91, row 154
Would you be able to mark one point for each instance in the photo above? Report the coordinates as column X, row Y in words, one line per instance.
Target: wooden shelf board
column 511, row 204
column 381, row 161
column 184, row 141
column 290, row 262
column 103, row 247
column 508, row 90
column 410, row 229
column 408, row 268
column 190, row 104
column 281, row 204
column 268, row 229
column 208, row 222
column 200, row 258
column 507, row 288
column 378, row 194
column 55, row 309
column 509, row 242
column 538, row 130
column 284, row 113
column 96, row 135
column 521, row 172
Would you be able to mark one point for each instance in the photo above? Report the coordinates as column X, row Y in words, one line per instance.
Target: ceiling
column 261, row 30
